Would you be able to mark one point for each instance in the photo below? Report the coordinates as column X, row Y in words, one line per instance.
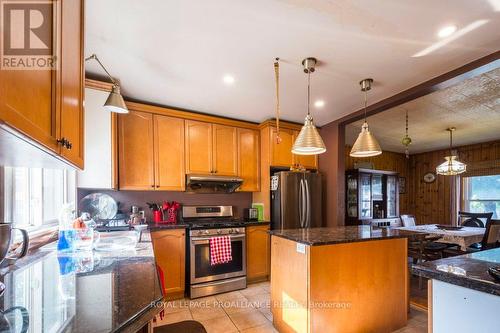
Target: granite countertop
column 469, row 270
column 83, row 291
column 337, row 235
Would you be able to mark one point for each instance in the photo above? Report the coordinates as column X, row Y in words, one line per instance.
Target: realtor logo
column 27, row 35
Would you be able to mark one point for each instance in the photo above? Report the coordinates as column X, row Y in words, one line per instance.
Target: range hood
column 212, row 184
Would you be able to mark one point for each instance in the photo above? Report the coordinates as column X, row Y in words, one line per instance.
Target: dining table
column 463, row 237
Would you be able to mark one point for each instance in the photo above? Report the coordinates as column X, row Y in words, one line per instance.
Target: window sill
column 38, row 236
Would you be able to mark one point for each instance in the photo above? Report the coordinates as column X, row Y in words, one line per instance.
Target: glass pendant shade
column 308, row 141
column 366, row 144
column 115, row 102
column 451, row 166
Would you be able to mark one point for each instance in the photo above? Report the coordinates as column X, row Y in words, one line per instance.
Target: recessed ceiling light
column 319, row 103
column 228, row 79
column 447, row 31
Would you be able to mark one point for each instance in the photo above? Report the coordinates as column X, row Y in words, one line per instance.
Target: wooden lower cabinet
column 170, row 252
column 258, row 253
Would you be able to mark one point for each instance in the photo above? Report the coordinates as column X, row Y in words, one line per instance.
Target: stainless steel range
column 204, row 223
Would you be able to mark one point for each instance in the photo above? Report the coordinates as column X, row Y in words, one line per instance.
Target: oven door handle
column 203, row 240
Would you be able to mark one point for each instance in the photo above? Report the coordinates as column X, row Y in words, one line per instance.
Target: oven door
column 203, row 271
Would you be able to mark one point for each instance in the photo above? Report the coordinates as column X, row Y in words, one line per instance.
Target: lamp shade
column 115, row 102
column 308, row 141
column 451, row 166
column 366, row 145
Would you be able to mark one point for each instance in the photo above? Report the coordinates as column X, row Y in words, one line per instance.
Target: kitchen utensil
column 5, row 243
column 100, row 206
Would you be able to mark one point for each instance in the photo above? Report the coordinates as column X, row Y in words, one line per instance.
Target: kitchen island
column 460, row 288
column 343, row 279
column 83, row 291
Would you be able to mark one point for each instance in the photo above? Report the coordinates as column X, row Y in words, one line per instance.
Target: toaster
column 250, row 214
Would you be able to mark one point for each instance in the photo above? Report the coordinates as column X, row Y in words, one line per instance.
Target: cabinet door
column 72, row 81
column 258, row 253
column 170, row 252
column 27, row 101
column 249, row 159
column 281, row 154
column 169, row 153
column 198, row 147
column 135, row 151
column 307, row 161
column 225, row 150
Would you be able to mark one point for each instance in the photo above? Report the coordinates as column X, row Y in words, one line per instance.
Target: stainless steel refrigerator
column 296, row 200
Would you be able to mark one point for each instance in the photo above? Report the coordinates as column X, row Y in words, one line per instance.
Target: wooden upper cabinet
column 308, row 161
column 198, row 143
column 281, row 154
column 169, row 153
column 46, row 105
column 135, row 151
column 72, row 78
column 249, row 159
column 225, row 150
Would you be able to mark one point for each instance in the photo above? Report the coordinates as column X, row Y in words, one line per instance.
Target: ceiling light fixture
column 319, row 103
column 115, row 102
column 228, row 79
column 452, row 166
column 447, row 31
column 445, row 41
column 308, row 141
column 366, row 144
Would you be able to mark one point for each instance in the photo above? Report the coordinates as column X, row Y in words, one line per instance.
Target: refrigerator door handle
column 301, row 204
column 308, row 204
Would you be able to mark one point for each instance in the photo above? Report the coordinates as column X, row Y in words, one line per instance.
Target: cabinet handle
column 157, row 186
column 152, row 186
column 65, row 143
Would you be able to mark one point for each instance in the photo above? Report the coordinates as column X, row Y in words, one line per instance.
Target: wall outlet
column 301, row 248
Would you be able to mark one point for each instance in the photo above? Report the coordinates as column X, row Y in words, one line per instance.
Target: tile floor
column 247, row 311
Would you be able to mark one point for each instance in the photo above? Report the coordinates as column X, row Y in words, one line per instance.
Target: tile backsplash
column 126, row 199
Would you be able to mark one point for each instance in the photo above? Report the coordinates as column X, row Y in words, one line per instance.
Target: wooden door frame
column 337, row 138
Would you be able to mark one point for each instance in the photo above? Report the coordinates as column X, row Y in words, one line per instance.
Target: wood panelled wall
column 429, row 202
column 388, row 161
column 432, row 203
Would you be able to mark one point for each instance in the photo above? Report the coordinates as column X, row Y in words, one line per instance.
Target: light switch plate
column 301, row 248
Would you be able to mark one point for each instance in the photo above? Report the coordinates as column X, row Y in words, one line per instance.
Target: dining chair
column 408, row 220
column 491, row 238
column 478, row 220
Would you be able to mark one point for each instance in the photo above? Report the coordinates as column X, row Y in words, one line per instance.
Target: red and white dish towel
column 220, row 250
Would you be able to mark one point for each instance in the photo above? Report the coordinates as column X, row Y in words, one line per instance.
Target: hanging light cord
column 406, row 123
column 366, row 101
column 308, row 92
column 277, row 79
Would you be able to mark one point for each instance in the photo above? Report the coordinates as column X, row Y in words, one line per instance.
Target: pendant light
column 406, row 141
column 451, row 166
column 308, row 141
column 366, row 144
column 115, row 102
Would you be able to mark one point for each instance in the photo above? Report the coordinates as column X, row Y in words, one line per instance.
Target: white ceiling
column 175, row 53
column 472, row 106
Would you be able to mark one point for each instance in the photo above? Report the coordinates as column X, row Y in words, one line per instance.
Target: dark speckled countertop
column 83, row 291
column 165, row 226
column 469, row 270
column 337, row 235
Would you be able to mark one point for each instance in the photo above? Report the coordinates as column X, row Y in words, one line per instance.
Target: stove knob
column 206, row 232
column 231, row 231
column 219, row 231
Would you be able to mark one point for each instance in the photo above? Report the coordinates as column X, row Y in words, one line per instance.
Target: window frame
column 466, row 191
column 7, row 189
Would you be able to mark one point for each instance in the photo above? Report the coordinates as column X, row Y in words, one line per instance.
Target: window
column 482, row 194
column 33, row 197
